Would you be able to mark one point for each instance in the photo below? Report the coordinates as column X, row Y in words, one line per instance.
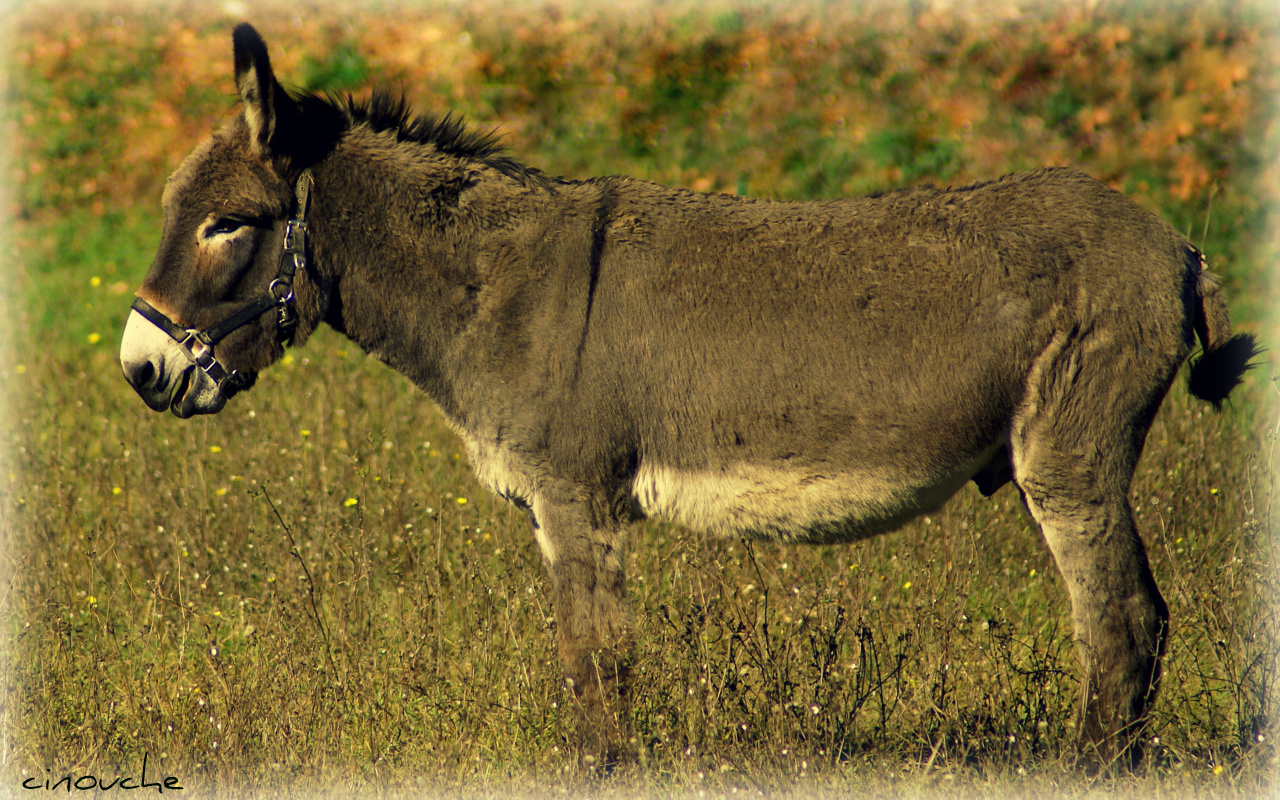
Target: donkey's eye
column 224, row 225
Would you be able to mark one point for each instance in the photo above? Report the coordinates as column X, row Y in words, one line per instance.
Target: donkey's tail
column 1225, row 358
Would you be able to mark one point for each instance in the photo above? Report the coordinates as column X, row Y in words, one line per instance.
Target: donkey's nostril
column 141, row 375
column 147, row 379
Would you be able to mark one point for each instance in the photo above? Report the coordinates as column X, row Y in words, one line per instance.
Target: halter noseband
column 198, row 345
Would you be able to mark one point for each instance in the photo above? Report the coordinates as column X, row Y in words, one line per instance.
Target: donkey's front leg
column 585, row 560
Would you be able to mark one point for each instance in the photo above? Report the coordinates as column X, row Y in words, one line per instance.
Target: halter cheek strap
column 198, row 345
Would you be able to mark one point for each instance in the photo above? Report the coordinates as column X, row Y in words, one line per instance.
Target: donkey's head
column 230, row 283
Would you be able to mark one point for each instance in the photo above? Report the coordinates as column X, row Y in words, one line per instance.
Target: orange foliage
column 716, row 95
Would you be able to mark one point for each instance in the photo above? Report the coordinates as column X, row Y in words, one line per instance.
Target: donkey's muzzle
column 145, row 378
column 163, row 374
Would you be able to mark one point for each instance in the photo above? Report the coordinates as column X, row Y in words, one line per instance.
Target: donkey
column 610, row 349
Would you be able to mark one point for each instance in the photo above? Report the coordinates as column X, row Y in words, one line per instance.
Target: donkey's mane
column 447, row 132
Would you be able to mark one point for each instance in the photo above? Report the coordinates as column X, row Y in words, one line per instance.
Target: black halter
column 198, row 345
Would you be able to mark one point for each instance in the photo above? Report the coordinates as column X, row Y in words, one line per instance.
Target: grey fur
column 806, row 372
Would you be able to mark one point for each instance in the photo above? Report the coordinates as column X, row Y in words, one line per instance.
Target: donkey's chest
column 502, row 470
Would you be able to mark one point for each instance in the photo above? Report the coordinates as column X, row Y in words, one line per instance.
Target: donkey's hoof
column 1109, row 758
column 606, row 762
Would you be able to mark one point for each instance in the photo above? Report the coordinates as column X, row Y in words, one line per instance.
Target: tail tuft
column 1221, row 369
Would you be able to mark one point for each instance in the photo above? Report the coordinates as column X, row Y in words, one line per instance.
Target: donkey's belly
column 794, row 505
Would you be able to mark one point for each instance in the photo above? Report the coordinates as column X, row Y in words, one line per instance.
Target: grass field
column 311, row 591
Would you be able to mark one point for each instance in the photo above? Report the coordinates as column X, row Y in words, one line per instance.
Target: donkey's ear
column 265, row 102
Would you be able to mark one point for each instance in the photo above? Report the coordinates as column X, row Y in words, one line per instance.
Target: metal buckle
column 295, row 236
column 286, row 323
column 285, row 299
column 206, row 360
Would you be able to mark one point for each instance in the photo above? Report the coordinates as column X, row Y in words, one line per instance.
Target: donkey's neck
column 448, row 270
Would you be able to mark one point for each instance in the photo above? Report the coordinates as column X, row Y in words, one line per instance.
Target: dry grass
column 209, row 594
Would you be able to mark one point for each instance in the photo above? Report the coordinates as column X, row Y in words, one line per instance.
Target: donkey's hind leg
column 1075, row 444
column 585, row 562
